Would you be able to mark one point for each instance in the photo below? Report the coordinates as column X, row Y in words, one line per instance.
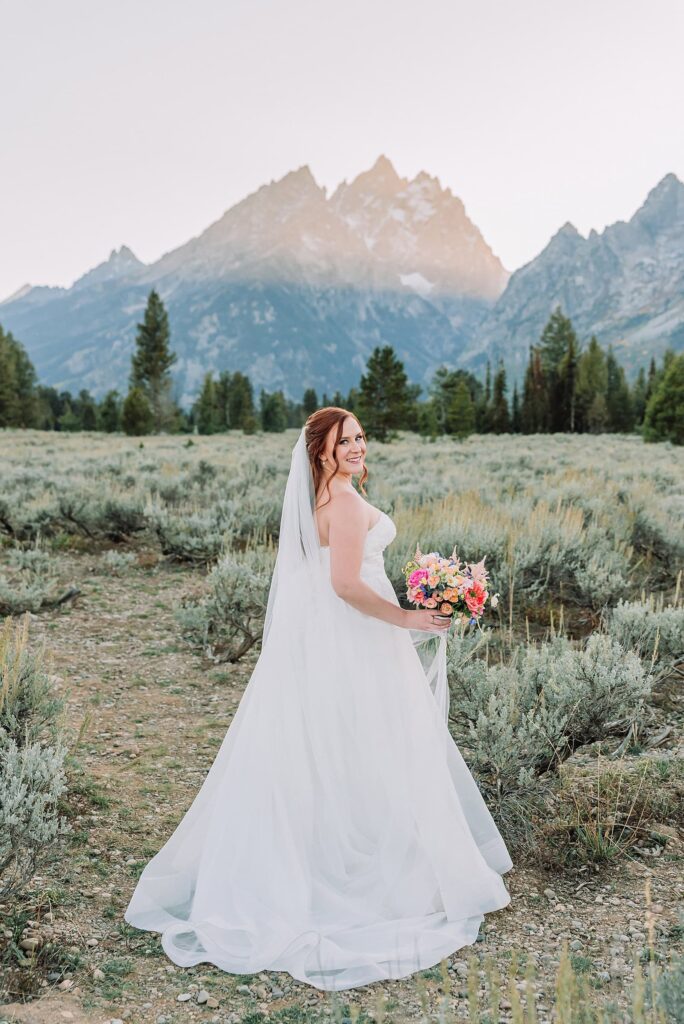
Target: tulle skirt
column 338, row 835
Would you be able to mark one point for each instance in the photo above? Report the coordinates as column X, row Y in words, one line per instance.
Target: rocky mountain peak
column 121, row 262
column 380, row 182
column 562, row 244
column 382, row 173
column 18, row 294
column 292, row 190
column 424, row 179
column 123, row 259
column 663, row 207
column 568, row 230
column 300, row 179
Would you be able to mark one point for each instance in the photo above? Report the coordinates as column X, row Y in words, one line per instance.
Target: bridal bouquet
column 448, row 585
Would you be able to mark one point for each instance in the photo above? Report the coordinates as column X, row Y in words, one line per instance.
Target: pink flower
column 431, row 603
column 478, row 571
column 475, row 597
column 417, row 576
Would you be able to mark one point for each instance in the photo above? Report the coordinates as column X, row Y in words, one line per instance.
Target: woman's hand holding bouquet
column 450, row 587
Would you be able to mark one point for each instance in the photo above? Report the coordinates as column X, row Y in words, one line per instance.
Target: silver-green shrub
column 18, row 596
column 670, row 987
column 28, row 582
column 517, row 719
column 117, row 562
column 32, row 757
column 121, row 516
column 198, row 536
column 651, row 628
column 29, row 707
column 34, row 559
column 229, row 620
column 598, row 685
column 658, row 532
column 32, row 779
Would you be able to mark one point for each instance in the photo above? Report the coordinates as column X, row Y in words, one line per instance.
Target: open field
column 109, row 544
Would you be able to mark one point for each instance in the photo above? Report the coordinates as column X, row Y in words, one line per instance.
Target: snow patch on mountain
column 417, row 283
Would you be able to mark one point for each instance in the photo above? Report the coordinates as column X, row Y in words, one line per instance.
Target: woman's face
column 350, row 451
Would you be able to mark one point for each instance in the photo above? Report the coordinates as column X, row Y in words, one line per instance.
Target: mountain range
column 625, row 285
column 295, row 287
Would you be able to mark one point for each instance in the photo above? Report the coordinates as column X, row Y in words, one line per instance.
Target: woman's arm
column 347, row 535
column 347, row 530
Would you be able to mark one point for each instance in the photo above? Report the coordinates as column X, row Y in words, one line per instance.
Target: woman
column 339, row 835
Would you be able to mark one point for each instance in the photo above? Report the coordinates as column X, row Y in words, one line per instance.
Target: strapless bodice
column 378, row 537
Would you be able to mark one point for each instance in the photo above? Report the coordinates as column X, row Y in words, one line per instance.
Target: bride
column 338, row 835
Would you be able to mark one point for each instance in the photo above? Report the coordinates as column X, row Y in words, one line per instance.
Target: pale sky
column 140, row 122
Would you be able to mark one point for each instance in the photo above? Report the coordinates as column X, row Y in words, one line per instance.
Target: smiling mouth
column 357, row 459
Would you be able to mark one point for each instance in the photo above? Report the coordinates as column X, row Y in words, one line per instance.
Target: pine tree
column 352, row 399
column 534, row 413
column 516, row 418
column 443, row 387
column 89, row 416
column 567, row 373
column 47, row 407
column 205, row 411
column 17, row 384
column 9, row 398
column 664, row 416
column 110, row 412
column 85, row 409
column 598, row 418
column 483, row 409
column 652, row 381
column 500, row 422
column 221, row 401
column 592, row 381
column 428, row 421
column 273, row 411
column 137, row 416
column 152, row 361
column 558, row 348
column 639, row 397
column 618, row 397
column 385, row 399
column 461, row 411
column 241, row 412
column 69, row 421
column 310, row 402
column 441, row 390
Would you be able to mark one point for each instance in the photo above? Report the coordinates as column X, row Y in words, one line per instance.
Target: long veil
column 297, row 576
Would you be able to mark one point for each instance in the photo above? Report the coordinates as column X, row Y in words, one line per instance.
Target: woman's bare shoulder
column 344, row 503
column 345, row 507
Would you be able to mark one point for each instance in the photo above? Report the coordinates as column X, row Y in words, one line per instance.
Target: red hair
column 317, row 427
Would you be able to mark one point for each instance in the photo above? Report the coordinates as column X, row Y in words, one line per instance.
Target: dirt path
column 157, row 717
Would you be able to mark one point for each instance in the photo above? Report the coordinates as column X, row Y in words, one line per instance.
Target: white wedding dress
column 339, row 835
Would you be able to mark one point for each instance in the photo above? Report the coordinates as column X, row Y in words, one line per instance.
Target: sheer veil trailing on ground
column 338, row 835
